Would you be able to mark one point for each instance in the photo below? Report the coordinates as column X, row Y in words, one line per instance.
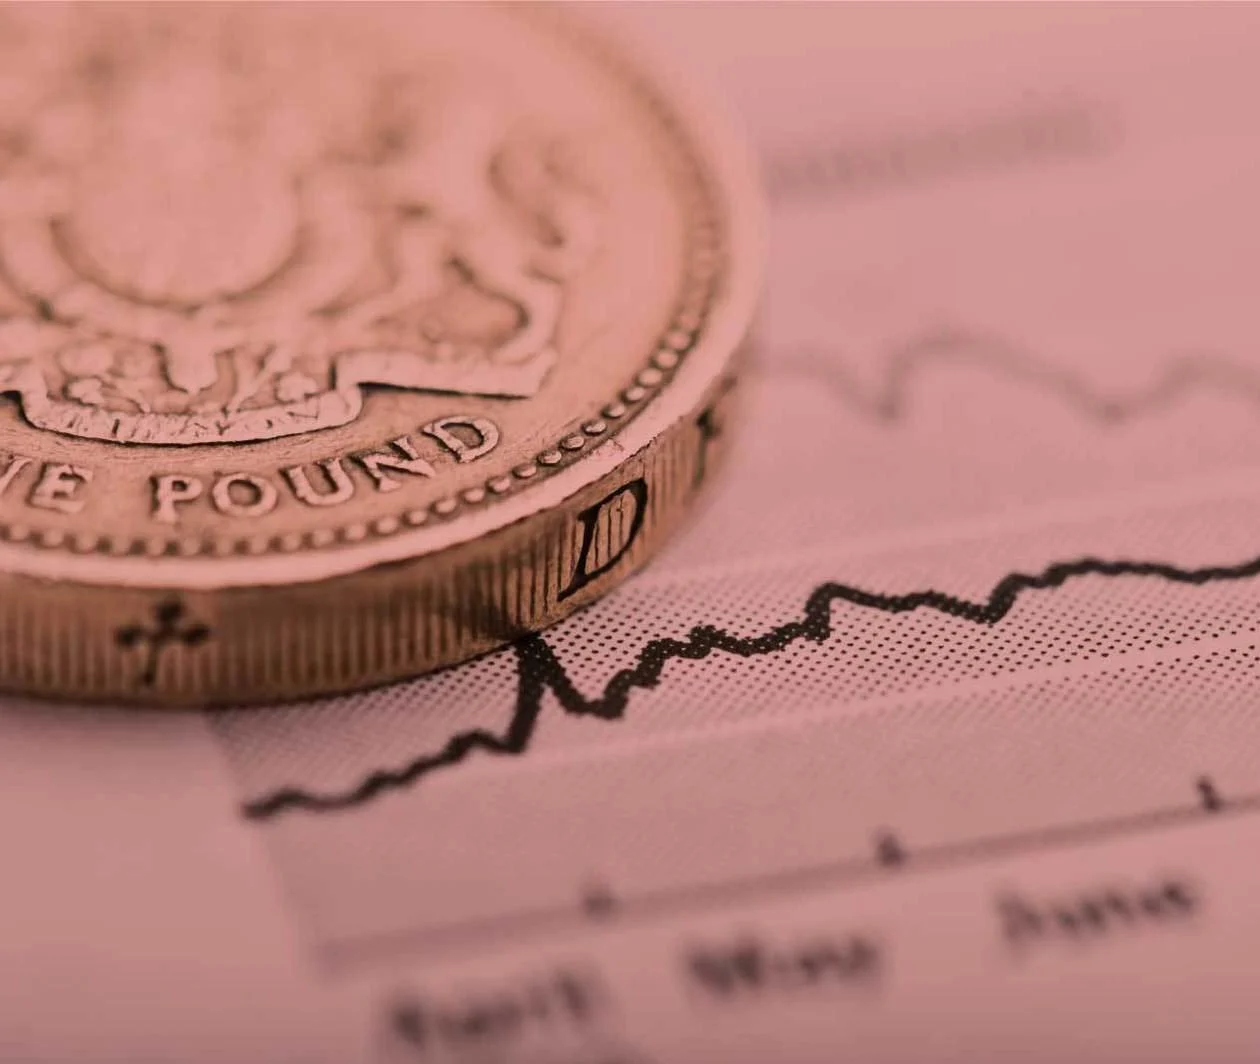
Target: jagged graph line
column 539, row 670
column 907, row 363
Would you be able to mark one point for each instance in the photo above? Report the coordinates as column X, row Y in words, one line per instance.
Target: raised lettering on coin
column 637, row 492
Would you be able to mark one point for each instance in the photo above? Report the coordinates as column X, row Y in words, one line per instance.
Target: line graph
column 906, row 363
column 539, row 670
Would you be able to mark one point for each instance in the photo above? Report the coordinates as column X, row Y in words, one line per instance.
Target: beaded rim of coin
column 684, row 362
column 262, row 618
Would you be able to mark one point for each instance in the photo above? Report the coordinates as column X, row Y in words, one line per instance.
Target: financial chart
column 935, row 734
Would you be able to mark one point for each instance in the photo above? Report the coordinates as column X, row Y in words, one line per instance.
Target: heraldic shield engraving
column 195, row 250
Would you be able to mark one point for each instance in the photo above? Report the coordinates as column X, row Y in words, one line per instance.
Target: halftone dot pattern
column 335, row 738
column 328, row 746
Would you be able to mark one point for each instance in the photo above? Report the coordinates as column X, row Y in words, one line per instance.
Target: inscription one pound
column 327, row 481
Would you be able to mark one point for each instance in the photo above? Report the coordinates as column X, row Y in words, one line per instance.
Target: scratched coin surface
column 340, row 343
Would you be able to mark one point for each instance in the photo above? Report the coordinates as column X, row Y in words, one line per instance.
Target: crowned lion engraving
column 190, row 254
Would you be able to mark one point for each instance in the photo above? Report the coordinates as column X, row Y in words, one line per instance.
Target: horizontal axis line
column 834, row 875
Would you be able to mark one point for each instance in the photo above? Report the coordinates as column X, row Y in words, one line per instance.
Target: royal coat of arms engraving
column 190, row 255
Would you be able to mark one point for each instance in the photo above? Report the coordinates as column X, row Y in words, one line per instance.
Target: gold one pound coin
column 341, row 343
